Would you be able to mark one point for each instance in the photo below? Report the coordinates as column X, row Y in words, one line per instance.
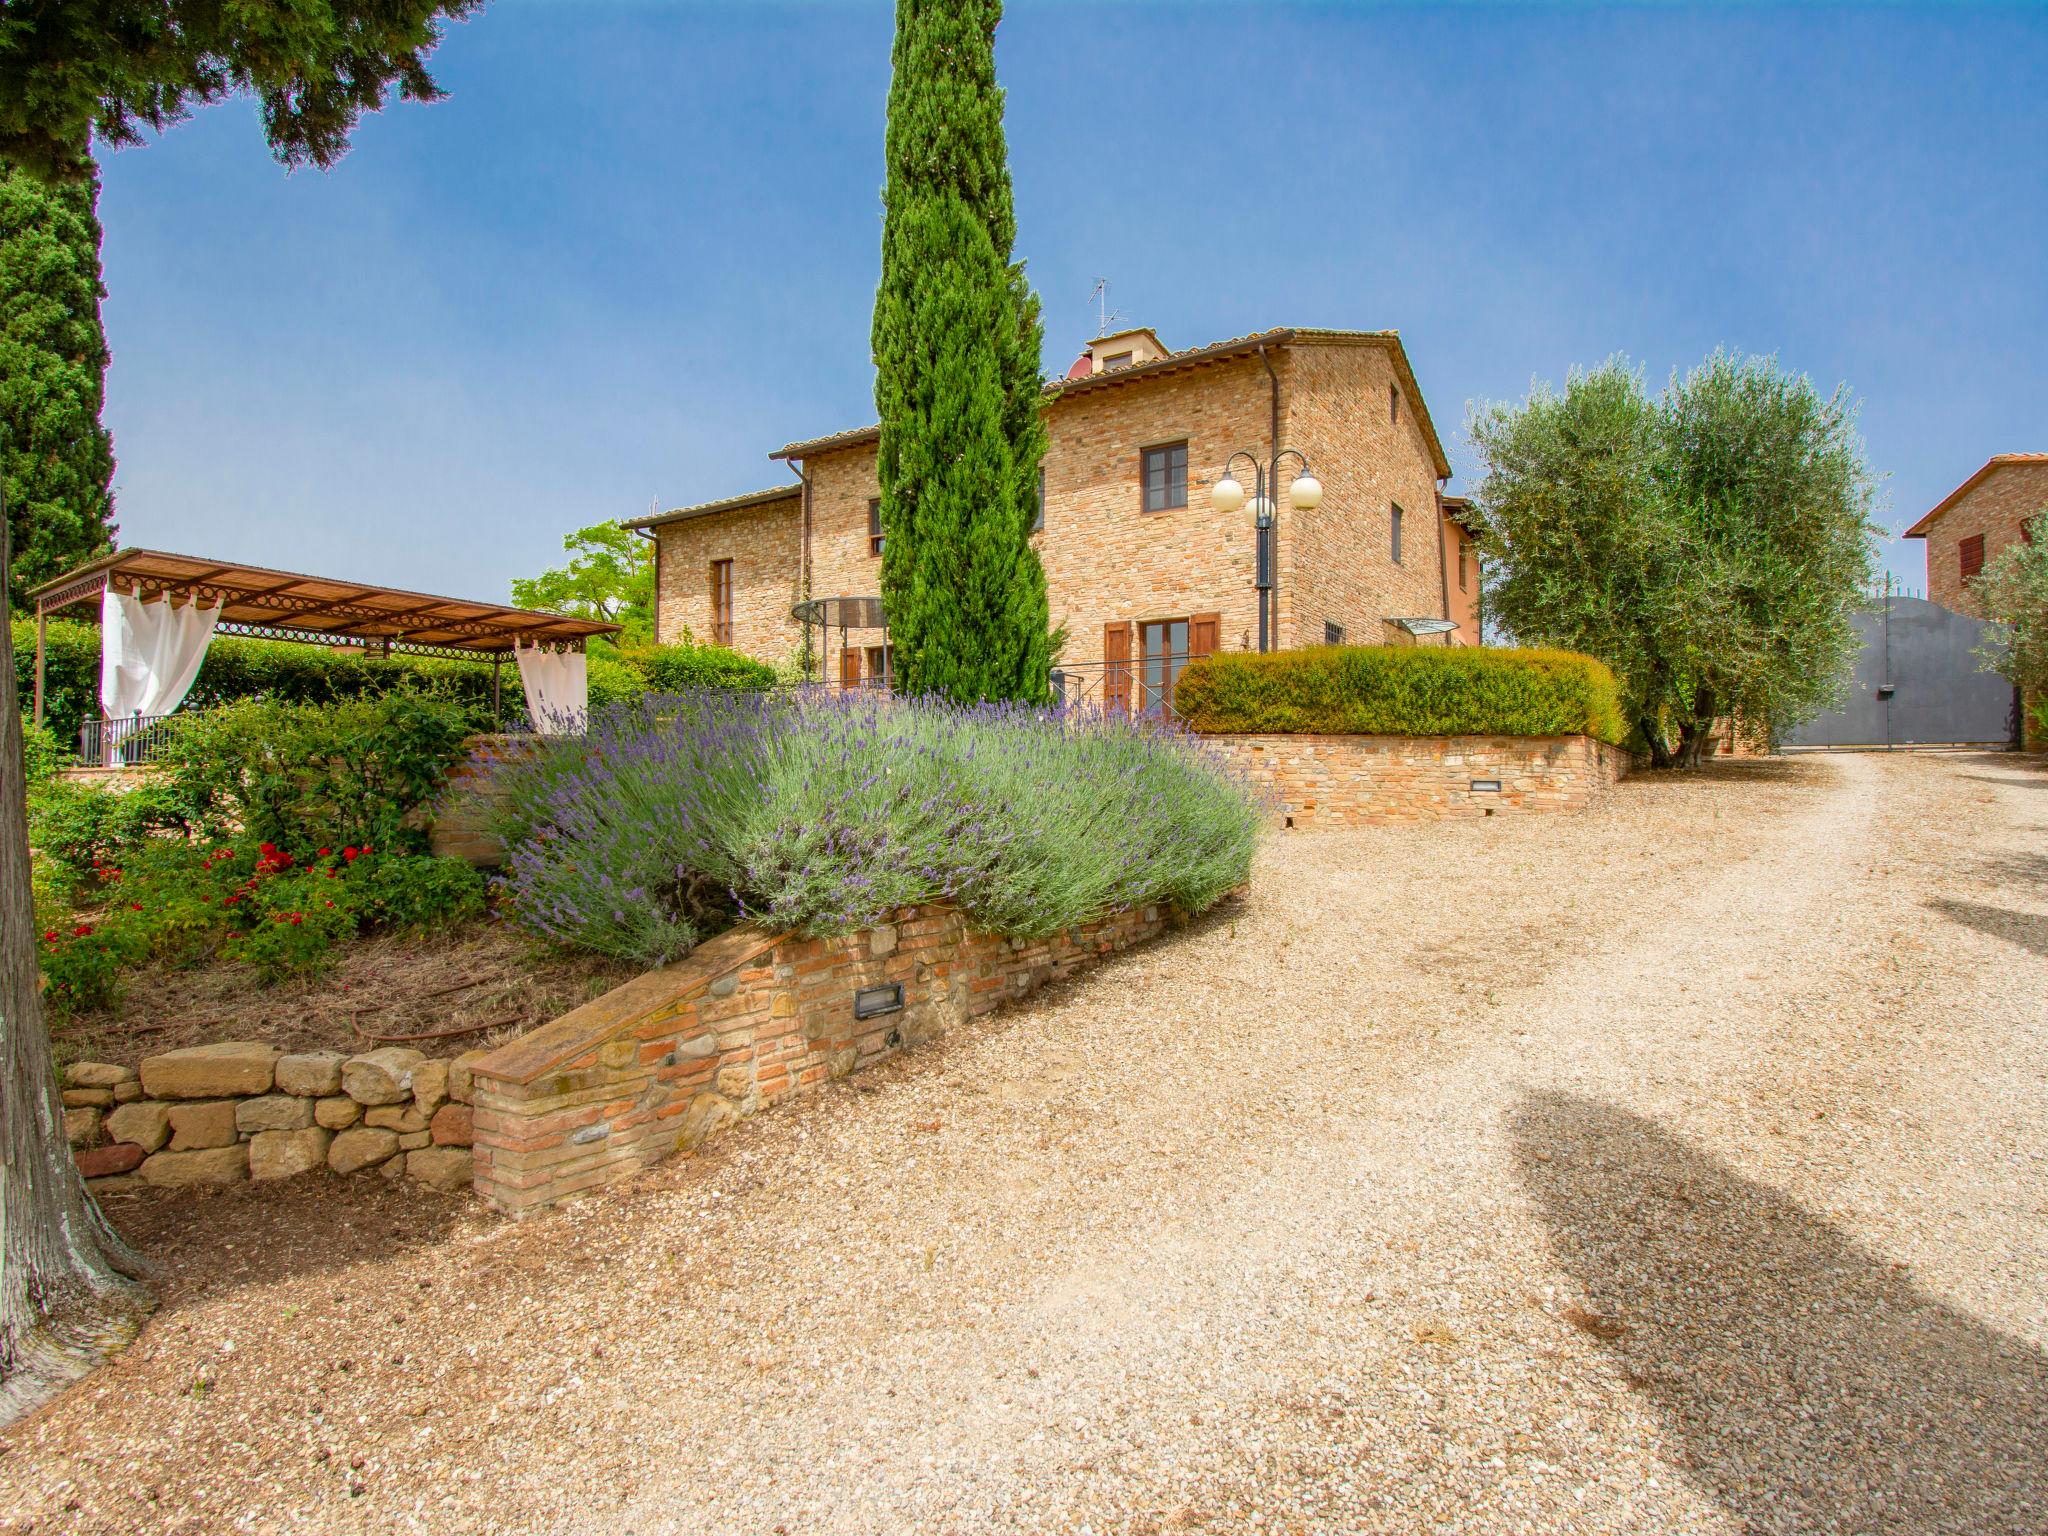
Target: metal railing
column 123, row 743
column 1142, row 685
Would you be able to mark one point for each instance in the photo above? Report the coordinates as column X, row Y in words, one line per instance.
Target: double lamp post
column 1304, row 494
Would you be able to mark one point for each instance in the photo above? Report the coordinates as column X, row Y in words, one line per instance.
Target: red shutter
column 1116, row 667
column 849, row 668
column 1971, row 551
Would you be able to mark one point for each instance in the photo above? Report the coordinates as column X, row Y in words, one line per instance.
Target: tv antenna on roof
column 1100, row 299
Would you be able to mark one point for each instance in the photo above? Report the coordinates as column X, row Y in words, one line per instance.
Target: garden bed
column 479, row 973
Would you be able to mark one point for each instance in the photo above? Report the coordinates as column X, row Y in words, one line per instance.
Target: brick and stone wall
column 1994, row 510
column 765, row 546
column 746, row 1020
column 1107, row 560
column 220, row 1114
column 1351, row 781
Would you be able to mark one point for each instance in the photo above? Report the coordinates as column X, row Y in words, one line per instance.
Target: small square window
column 1038, row 521
column 1116, row 360
column 1396, row 520
column 1333, row 634
column 1166, row 477
column 875, row 526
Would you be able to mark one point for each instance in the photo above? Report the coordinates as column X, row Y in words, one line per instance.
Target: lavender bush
column 676, row 816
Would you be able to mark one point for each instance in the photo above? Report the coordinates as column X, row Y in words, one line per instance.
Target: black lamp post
column 1304, row 494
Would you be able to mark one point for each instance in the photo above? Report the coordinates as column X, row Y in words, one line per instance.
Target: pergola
column 315, row 610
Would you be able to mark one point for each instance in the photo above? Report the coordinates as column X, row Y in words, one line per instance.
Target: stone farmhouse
column 1140, row 568
column 1976, row 520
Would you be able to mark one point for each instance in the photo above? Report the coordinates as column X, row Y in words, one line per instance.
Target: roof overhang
column 1174, row 362
column 1997, row 461
column 288, row 606
column 750, row 499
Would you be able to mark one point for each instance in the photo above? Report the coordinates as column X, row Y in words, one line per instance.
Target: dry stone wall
column 219, row 1114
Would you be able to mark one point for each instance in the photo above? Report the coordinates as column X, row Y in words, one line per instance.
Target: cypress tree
column 56, row 456
column 956, row 347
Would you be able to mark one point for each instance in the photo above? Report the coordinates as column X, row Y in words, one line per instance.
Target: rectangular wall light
column 871, row 1002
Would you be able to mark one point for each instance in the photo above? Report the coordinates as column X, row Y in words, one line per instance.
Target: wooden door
column 1116, row 667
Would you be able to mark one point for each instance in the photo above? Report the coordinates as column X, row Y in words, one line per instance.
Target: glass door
column 1163, row 649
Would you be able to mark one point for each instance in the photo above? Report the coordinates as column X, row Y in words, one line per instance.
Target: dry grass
column 482, row 979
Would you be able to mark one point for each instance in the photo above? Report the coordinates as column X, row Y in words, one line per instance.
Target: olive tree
column 1709, row 545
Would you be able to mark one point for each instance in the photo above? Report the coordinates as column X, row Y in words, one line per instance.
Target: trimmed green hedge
column 1383, row 690
column 236, row 668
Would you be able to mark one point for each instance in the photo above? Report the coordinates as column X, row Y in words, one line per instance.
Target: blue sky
column 637, row 247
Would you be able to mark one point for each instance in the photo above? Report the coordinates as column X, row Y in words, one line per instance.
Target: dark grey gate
column 1918, row 684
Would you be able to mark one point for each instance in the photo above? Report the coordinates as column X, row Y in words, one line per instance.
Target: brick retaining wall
column 744, row 1021
column 1321, row 781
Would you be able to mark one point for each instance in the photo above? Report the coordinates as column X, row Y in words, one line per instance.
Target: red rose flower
column 81, row 930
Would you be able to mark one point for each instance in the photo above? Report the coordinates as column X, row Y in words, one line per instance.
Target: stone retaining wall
column 219, row 1114
column 1351, row 781
column 747, row 1019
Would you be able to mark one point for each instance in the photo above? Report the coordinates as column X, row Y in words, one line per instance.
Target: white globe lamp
column 1306, row 493
column 1226, row 495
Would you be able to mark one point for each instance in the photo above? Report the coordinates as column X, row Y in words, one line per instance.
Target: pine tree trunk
column 67, row 1298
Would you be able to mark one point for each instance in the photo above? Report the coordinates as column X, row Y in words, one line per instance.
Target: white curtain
column 149, row 654
column 557, row 687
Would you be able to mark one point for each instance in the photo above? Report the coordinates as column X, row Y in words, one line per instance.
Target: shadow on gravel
column 1813, row 1386
column 2021, row 928
column 205, row 1241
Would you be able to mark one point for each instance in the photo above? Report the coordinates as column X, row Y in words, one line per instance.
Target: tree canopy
column 957, row 339
column 609, row 577
column 1709, row 545
column 70, row 69
column 56, row 459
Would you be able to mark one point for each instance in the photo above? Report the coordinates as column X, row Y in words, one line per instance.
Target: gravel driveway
column 1674, row 1167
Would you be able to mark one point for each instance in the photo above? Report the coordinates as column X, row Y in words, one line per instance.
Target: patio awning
column 284, row 605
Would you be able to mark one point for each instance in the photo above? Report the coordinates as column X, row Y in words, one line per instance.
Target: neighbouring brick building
column 1980, row 517
column 1140, row 569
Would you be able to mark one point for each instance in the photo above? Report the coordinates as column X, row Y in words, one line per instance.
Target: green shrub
column 680, row 668
column 304, row 776
column 677, row 816
column 44, row 754
column 82, row 965
column 1401, row 691
column 81, row 826
column 178, row 901
column 237, row 669
column 285, row 672
column 409, row 893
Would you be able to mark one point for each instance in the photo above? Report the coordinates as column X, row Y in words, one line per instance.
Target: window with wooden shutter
column 875, row 526
column 1971, row 551
column 1205, row 635
column 1116, row 667
column 849, row 667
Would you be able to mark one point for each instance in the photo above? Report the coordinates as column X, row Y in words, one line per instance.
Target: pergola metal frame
column 846, row 614
column 315, row 610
